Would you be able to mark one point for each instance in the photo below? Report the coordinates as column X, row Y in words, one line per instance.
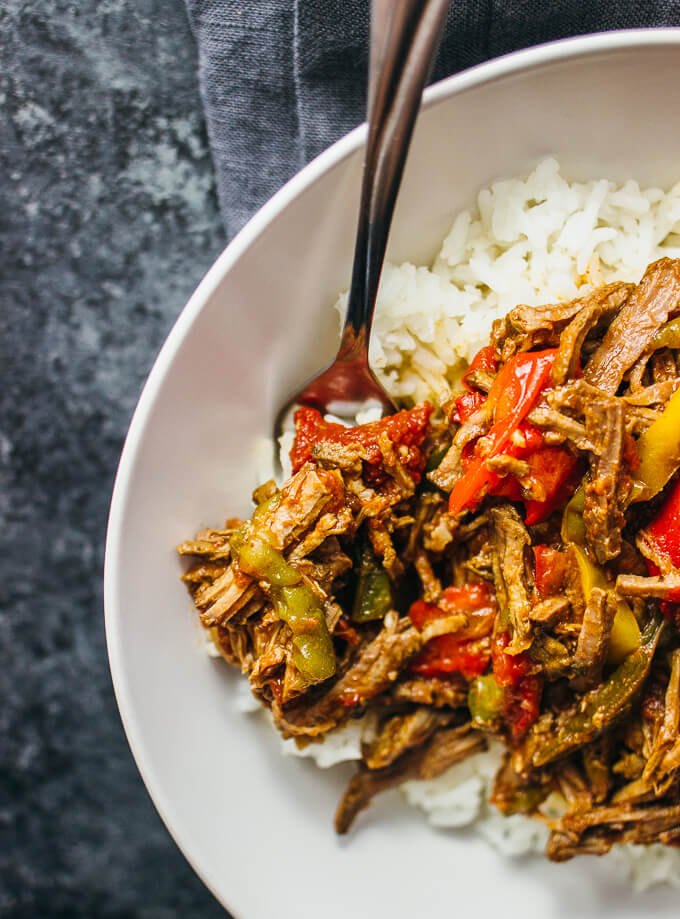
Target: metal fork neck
column 404, row 38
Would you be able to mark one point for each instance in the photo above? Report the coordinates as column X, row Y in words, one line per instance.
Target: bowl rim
column 485, row 73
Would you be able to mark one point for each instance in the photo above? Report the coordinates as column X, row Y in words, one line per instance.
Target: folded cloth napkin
column 282, row 79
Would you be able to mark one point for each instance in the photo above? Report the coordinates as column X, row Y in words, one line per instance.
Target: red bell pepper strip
column 485, row 359
column 508, row 669
column 448, row 654
column 664, row 534
column 558, row 472
column 466, row 651
column 421, row 613
column 470, row 598
column 512, row 396
column 526, row 439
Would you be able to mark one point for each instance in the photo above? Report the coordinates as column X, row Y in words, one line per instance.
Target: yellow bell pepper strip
column 598, row 709
column 624, row 637
column 294, row 602
column 625, row 634
column 659, row 450
column 511, row 397
column 573, row 527
column 373, row 597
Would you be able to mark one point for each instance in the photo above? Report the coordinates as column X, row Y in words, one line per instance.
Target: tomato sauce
column 406, row 430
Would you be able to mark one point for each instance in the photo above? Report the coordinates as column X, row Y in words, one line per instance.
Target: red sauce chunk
column 551, row 570
column 406, row 430
column 467, row 405
column 522, row 696
column 422, row 613
column 522, row 705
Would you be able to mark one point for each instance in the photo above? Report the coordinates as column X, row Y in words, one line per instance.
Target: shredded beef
column 375, row 668
column 510, row 541
column 544, row 614
column 651, row 303
column 447, row 747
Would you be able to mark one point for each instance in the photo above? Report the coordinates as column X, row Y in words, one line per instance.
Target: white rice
column 532, row 240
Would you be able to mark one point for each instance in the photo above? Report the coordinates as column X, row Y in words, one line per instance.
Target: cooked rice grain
column 526, row 241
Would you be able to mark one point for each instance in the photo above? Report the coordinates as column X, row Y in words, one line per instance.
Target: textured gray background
column 108, row 219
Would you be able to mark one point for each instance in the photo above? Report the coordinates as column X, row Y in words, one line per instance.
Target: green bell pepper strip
column 599, row 708
column 373, row 597
column 668, row 336
column 485, row 701
column 294, row 602
column 259, row 559
column 523, row 799
column 313, row 652
column 267, row 505
column 435, row 458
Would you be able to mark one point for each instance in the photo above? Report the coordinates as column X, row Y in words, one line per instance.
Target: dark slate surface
column 108, row 219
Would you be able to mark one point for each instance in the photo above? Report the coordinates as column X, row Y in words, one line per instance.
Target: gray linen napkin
column 282, row 79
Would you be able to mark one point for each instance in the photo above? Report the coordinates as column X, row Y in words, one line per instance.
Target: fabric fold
column 281, row 80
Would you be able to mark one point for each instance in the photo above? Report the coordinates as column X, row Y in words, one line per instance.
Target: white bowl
column 257, row 827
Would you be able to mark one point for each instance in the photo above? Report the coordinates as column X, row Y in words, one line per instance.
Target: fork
column 404, row 39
